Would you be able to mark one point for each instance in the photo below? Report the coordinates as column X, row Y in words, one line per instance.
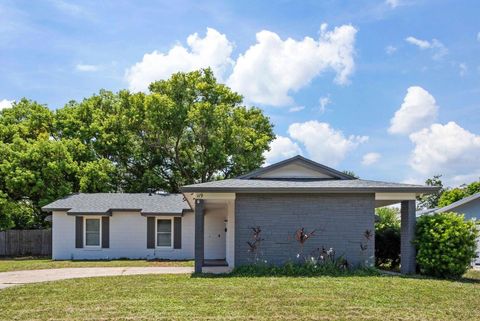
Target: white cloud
column 418, row 110
column 370, row 158
column 446, row 149
column 393, row 3
column 4, row 103
column 281, row 148
column 324, row 143
column 295, row 109
column 273, row 68
column 439, row 50
column 86, row 68
column 390, row 49
column 213, row 51
column 324, row 101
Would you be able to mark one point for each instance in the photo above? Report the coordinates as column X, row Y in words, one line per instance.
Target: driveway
column 8, row 279
column 13, row 278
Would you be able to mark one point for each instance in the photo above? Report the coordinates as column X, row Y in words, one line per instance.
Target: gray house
column 468, row 206
column 213, row 222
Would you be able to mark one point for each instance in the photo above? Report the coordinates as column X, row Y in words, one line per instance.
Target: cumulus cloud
column 4, row 103
column 439, row 50
column 447, row 149
column 213, row 50
column 272, row 68
column 370, row 158
column 281, row 148
column 324, row 143
column 418, row 110
column 86, row 68
column 463, row 69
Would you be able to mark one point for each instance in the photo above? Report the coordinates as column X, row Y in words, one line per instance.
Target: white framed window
column 164, row 233
column 92, row 231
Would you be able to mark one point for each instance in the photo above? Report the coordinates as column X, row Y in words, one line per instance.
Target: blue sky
column 388, row 89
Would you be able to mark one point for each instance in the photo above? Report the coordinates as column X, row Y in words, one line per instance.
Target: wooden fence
column 26, row 243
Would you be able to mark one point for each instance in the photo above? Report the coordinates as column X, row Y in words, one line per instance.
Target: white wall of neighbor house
column 128, row 239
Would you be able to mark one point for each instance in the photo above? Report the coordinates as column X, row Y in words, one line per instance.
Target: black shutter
column 79, row 232
column 177, row 232
column 105, row 232
column 150, row 232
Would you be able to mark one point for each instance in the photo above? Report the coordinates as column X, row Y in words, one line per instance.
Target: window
column 92, row 232
column 164, row 233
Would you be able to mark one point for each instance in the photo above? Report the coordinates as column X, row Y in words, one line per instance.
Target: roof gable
column 297, row 167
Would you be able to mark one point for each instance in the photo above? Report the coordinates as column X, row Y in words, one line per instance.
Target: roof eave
column 418, row 190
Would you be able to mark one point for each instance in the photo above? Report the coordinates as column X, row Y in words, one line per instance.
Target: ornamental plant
column 446, row 244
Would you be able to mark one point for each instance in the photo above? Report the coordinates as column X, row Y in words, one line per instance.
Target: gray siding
column 470, row 209
column 340, row 221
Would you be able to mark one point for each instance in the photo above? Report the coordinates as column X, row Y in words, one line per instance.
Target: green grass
column 18, row 264
column 182, row 297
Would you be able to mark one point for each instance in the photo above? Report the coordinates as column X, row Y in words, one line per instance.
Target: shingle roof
column 104, row 203
column 302, row 185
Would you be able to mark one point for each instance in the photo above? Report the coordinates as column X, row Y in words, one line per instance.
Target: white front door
column 215, row 235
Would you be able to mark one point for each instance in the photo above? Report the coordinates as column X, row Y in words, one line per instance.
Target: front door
column 215, row 235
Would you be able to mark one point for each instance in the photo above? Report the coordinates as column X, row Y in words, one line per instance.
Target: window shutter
column 150, row 232
column 177, row 232
column 105, row 232
column 79, row 232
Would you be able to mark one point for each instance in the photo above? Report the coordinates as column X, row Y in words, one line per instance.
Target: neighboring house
column 469, row 206
column 212, row 222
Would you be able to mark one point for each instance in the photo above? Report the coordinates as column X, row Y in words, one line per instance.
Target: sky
column 389, row 89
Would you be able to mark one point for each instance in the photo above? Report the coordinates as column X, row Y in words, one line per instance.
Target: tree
column 387, row 237
column 431, row 200
column 455, row 194
column 197, row 130
column 187, row 129
column 351, row 173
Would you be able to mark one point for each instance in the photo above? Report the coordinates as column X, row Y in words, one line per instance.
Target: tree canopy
column 185, row 130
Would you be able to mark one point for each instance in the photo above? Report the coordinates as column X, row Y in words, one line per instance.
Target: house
column 213, row 222
column 468, row 206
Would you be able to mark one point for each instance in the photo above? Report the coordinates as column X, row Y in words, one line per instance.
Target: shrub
column 446, row 244
column 387, row 238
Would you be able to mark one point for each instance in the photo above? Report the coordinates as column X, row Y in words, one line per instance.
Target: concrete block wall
column 340, row 221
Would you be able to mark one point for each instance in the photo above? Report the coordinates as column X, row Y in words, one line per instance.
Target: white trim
column 395, row 196
column 215, row 196
column 85, row 218
column 165, row 218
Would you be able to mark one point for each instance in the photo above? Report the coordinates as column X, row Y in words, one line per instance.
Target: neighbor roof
column 105, row 203
column 451, row 206
column 300, row 185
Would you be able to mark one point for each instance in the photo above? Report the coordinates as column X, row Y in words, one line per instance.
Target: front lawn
column 182, row 297
column 17, row 264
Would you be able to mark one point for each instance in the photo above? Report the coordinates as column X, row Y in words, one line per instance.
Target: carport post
column 407, row 248
column 199, row 235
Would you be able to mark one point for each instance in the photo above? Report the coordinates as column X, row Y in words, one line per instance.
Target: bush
column 301, row 269
column 387, row 238
column 446, row 244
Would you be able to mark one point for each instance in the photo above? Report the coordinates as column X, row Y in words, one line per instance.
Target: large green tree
column 186, row 129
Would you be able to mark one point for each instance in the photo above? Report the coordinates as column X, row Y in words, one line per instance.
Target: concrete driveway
column 8, row 279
